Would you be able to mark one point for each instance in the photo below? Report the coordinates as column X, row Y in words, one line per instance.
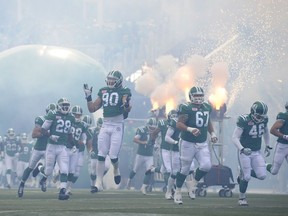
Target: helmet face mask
column 77, row 113
column 172, row 115
column 196, row 95
column 151, row 124
column 114, row 79
column 24, row 138
column 11, row 133
column 259, row 111
column 63, row 105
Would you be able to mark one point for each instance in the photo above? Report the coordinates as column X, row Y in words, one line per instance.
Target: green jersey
column 41, row 142
column 176, row 134
column 112, row 100
column 162, row 125
column 198, row 117
column 60, row 126
column 284, row 129
column 11, row 145
column 77, row 130
column 252, row 132
column 25, row 152
column 144, row 150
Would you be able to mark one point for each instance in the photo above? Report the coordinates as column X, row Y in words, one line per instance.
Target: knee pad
column 101, row 158
column 115, row 160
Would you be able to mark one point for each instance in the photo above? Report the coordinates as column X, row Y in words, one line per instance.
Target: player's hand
column 87, row 91
column 285, row 137
column 246, row 151
column 54, row 138
column 74, row 149
column 176, row 142
column 194, row 131
column 268, row 151
column 214, row 138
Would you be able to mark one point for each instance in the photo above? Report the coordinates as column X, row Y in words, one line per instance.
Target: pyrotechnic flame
column 218, row 98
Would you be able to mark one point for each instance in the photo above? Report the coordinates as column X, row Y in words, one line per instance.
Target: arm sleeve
column 236, row 137
column 266, row 136
column 46, row 125
column 168, row 136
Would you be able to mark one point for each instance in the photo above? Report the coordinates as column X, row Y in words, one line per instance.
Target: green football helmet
column 99, row 122
column 10, row 133
column 51, row 106
column 114, row 79
column 24, row 138
column 77, row 112
column 258, row 111
column 196, row 95
column 87, row 119
column 151, row 124
column 63, row 105
column 172, row 115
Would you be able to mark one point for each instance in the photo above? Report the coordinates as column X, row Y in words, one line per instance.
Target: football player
column 24, row 154
column 58, row 125
column 39, row 148
column 247, row 137
column 144, row 156
column 280, row 130
column 194, row 123
column 114, row 98
column 11, row 145
column 77, row 147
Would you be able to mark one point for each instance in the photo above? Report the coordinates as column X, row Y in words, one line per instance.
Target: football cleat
column 21, row 190
column 43, row 185
column 144, row 189
column 117, row 176
column 8, row 186
column 94, row 189
column 36, row 170
column 63, row 195
column 242, row 202
column 168, row 195
column 178, row 198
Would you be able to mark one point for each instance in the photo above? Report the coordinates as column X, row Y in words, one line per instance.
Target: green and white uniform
column 111, row 133
column 251, row 137
column 144, row 155
column 281, row 149
column 195, row 146
column 59, row 125
column 24, row 156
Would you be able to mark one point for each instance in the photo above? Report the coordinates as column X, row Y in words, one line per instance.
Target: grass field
column 122, row 202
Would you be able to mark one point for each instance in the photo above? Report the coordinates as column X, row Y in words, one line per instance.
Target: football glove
column 268, row 151
column 285, row 137
column 73, row 149
column 246, row 151
column 88, row 92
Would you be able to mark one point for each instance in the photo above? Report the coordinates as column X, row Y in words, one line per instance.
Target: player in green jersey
column 280, row 130
column 58, row 125
column 76, row 148
column 39, row 148
column 144, row 156
column 194, row 123
column 114, row 99
column 247, row 137
column 11, row 145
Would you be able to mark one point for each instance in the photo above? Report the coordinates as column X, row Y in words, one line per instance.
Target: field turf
column 123, row 202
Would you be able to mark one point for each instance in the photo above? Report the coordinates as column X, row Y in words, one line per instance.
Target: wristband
column 89, row 98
